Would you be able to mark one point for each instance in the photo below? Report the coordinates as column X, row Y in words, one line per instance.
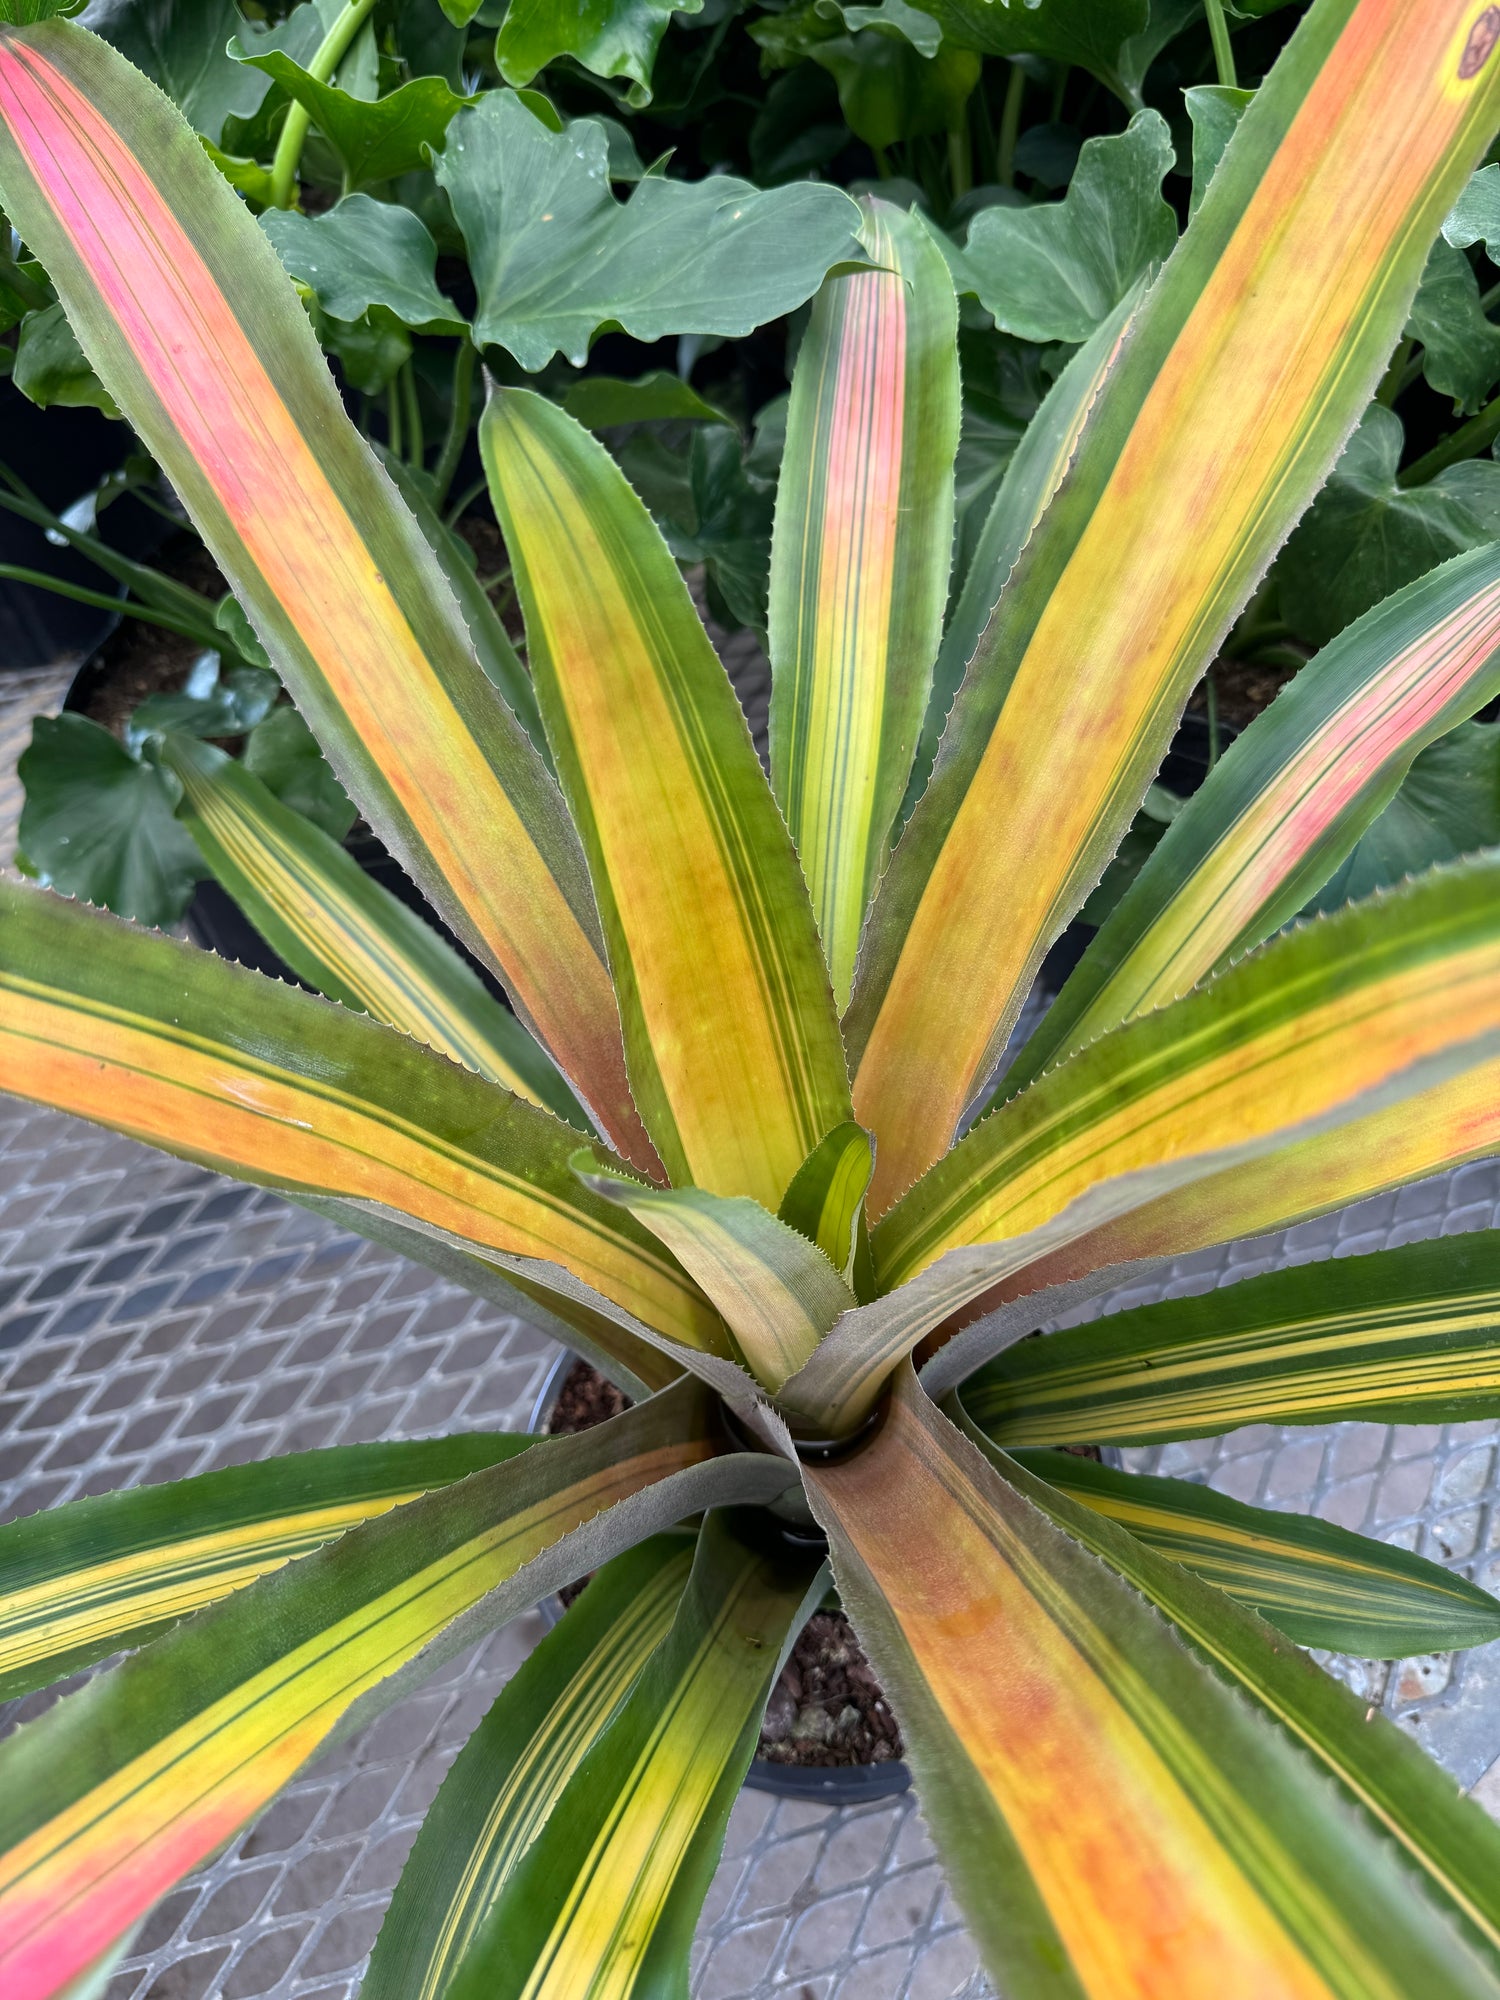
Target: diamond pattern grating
column 156, row 1321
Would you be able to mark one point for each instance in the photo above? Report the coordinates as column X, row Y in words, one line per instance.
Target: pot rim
column 834, row 1784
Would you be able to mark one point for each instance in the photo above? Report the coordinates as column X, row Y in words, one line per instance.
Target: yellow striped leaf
column 345, row 934
column 514, row 1768
column 1378, row 1765
column 120, row 1789
column 82, row 1581
column 1282, row 809
column 1116, row 1824
column 183, row 308
column 1312, row 1035
column 730, row 1032
column 1310, row 1021
column 1318, row 1583
column 826, row 1203
column 187, row 1052
column 1252, row 356
column 859, row 562
column 606, row 1898
column 778, row 1292
column 1032, row 476
column 1405, row 1336
column 1435, row 1129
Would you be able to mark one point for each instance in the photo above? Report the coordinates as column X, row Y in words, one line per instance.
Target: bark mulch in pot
column 1242, row 690
column 827, row 1708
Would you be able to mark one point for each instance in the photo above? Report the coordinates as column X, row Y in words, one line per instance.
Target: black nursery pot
column 61, row 455
column 836, row 1784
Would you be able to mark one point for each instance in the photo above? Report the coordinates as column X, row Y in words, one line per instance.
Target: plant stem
column 882, row 164
column 15, row 573
column 459, row 404
column 1477, row 435
column 960, row 161
column 1010, row 126
column 330, row 53
column 416, row 444
column 464, row 501
column 1393, row 381
column 393, row 415
column 1218, row 30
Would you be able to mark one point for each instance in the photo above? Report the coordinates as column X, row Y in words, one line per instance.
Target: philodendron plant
column 768, row 1018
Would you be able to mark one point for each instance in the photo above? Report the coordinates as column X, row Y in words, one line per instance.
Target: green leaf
column 555, row 257
column 212, row 1719
column 1448, row 805
column 281, row 1088
column 375, row 140
column 860, row 563
column 1287, row 803
column 826, row 1202
column 1114, row 1820
column 889, row 91
column 609, row 37
column 1318, row 1583
column 283, row 753
column 1460, row 347
column 731, row 513
column 1003, row 388
column 606, row 1898
column 511, row 1772
column 98, row 1575
column 777, row 1289
column 492, row 642
column 1364, row 536
column 891, row 17
column 183, row 46
column 231, row 704
column 1097, row 37
column 1475, row 216
column 348, row 936
column 734, row 1052
column 1400, row 1790
column 231, row 620
column 602, row 401
column 50, row 367
column 1215, row 109
column 370, row 351
column 365, row 253
column 1031, row 477
column 98, row 823
column 1056, row 271
column 1403, row 1336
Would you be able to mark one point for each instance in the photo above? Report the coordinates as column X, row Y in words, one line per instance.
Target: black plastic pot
column 839, row 1784
column 62, row 455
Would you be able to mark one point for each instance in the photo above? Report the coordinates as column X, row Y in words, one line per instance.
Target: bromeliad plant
column 817, row 1297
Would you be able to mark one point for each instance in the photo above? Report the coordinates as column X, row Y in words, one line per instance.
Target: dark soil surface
column 141, row 659
column 585, row 1399
column 826, row 1708
column 1243, row 690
